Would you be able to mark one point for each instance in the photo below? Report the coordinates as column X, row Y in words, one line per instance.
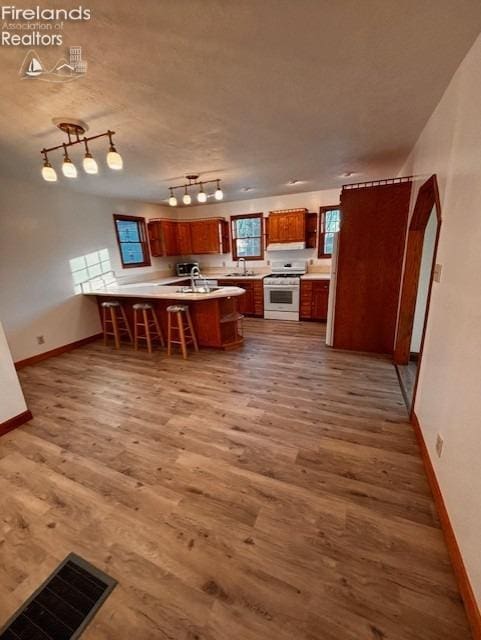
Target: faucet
column 194, row 273
column 245, row 264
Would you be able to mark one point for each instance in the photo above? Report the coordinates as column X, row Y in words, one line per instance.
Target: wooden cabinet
column 314, row 299
column 184, row 238
column 163, row 237
column 370, row 261
column 188, row 237
column 206, row 236
column 287, row 226
column 252, row 302
column 311, row 230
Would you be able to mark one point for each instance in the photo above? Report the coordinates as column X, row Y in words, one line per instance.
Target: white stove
column 282, row 290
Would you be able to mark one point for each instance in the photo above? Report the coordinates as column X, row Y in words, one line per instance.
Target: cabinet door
column 296, row 227
column 258, row 287
column 154, row 231
column 246, row 304
column 320, row 297
column 184, row 240
column 306, row 300
column 169, row 235
column 205, row 236
column 273, row 226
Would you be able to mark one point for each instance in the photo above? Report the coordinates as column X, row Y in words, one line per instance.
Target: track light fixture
column 48, row 172
column 75, row 130
column 89, row 163
column 172, row 199
column 201, row 194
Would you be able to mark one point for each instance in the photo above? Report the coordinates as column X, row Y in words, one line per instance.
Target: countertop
column 316, row 276
column 162, row 292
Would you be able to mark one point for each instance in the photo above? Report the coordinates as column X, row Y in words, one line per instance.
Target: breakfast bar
column 214, row 312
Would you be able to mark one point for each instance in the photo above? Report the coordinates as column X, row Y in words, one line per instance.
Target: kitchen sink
column 239, row 275
column 197, row 289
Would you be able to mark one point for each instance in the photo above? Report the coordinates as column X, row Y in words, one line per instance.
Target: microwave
column 184, row 268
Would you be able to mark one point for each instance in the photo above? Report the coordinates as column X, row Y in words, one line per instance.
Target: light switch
column 437, row 272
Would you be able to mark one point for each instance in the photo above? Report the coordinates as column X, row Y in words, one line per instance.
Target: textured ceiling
column 255, row 92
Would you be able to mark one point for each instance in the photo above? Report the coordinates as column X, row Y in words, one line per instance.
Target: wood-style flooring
column 270, row 493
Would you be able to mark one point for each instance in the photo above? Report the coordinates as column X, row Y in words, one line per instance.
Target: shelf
column 231, row 317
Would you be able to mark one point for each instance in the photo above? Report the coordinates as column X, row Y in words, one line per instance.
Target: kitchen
column 239, row 323
column 277, row 290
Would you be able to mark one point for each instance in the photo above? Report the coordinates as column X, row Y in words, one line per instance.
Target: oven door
column 281, row 299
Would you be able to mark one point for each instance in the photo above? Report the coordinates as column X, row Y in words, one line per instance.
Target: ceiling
column 256, row 92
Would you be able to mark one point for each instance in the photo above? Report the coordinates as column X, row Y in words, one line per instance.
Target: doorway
column 422, row 241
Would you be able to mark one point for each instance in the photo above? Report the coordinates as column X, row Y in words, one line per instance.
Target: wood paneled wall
column 371, row 247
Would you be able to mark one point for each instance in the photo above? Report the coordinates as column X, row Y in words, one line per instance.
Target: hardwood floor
column 271, row 493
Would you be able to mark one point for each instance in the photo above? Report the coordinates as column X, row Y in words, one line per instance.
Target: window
column 247, row 236
column 132, row 240
column 329, row 224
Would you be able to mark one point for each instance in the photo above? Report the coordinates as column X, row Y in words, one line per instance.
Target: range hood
column 286, row 246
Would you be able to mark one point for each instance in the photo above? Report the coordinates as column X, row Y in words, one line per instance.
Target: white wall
column 311, row 200
column 449, row 393
column 12, row 402
column 424, row 280
column 42, row 228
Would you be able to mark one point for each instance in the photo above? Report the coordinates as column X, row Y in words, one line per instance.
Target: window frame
column 142, row 228
column 233, row 219
column 322, row 229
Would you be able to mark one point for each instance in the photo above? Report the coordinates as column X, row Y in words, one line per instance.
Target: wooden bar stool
column 180, row 323
column 115, row 323
column 142, row 310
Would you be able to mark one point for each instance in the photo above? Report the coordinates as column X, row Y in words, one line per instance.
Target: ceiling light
column 69, row 170
column 89, row 163
column 114, row 159
column 218, row 195
column 201, row 196
column 48, row 172
column 74, row 130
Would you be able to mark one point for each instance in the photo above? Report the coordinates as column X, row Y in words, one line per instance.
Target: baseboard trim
column 16, row 421
column 56, row 352
column 472, row 609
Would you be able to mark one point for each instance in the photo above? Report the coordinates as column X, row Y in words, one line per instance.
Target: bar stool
column 182, row 325
column 145, row 324
column 113, row 314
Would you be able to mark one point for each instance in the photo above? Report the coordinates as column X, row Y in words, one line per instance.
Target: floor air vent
column 64, row 604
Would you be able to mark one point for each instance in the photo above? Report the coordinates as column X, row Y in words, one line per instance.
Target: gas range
column 286, row 273
column 281, row 290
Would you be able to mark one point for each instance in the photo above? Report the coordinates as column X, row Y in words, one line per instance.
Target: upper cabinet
column 162, row 237
column 188, row 237
column 287, row 226
column 184, row 238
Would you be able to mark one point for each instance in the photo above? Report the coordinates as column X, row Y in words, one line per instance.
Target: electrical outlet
column 40, row 339
column 439, row 445
column 437, row 272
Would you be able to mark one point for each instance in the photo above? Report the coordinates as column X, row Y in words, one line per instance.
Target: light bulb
column 218, row 195
column 114, row 159
column 90, row 164
column 173, row 201
column 186, row 199
column 69, row 170
column 202, row 196
column 48, row 172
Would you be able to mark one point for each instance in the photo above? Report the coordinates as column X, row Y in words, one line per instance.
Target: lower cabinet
column 314, row 299
column 252, row 302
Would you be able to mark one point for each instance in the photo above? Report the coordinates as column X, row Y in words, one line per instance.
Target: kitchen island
column 215, row 315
